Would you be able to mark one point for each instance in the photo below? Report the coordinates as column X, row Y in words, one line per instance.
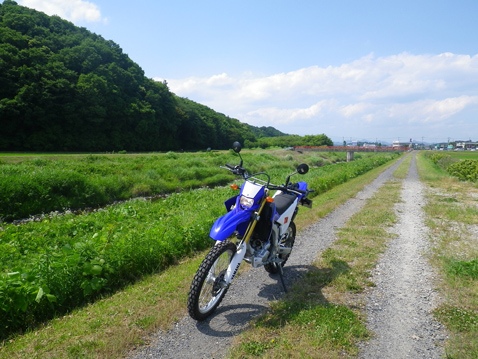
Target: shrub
column 465, row 170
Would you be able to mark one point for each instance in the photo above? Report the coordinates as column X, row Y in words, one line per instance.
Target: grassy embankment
column 92, row 335
column 35, row 185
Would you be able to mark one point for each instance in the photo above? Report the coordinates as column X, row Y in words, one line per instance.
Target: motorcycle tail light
column 246, row 202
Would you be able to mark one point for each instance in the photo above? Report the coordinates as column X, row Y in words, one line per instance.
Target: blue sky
column 375, row 70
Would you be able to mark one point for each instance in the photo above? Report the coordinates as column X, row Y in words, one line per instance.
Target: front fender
column 227, row 224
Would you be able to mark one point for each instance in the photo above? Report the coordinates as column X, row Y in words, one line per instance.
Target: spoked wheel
column 287, row 243
column 208, row 286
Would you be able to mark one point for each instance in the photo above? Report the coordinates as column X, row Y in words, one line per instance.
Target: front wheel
column 273, row 267
column 208, row 287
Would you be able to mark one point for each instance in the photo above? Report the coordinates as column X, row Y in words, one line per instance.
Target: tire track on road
column 399, row 308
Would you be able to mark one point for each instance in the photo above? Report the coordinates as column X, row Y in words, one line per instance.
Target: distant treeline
column 290, row 141
column 63, row 88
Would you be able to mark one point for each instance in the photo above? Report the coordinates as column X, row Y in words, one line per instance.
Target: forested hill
column 63, row 88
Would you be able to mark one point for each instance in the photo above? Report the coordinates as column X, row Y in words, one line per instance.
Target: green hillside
column 63, row 88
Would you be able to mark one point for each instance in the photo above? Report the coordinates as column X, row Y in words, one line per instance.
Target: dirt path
column 250, row 293
column 399, row 308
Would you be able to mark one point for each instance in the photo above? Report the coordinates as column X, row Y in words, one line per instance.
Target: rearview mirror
column 302, row 169
column 236, row 146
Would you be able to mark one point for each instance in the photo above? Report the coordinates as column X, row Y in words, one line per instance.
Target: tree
column 64, row 88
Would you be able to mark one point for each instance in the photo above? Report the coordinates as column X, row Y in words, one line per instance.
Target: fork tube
column 253, row 223
column 239, row 256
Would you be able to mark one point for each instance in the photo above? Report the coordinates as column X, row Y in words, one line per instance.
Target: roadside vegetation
column 463, row 165
column 65, row 260
column 35, row 185
column 452, row 216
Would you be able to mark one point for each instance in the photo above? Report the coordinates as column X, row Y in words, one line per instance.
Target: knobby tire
column 207, row 291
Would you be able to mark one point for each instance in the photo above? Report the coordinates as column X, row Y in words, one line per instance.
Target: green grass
column 54, row 183
column 75, row 258
column 462, row 165
column 402, row 170
column 42, row 184
column 113, row 325
column 460, row 320
column 320, row 325
column 462, row 269
column 464, row 155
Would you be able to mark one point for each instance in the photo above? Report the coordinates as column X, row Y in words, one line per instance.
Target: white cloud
column 73, row 10
column 430, row 111
column 366, row 95
column 317, row 110
column 356, row 109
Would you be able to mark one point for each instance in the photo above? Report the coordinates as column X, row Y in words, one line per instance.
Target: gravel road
column 401, row 278
column 399, row 307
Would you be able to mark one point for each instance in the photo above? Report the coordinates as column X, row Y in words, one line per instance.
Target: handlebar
column 238, row 170
column 291, row 189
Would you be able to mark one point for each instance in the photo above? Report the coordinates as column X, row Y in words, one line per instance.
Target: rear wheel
column 287, row 243
column 208, row 287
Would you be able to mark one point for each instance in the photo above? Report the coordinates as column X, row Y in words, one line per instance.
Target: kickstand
column 281, row 274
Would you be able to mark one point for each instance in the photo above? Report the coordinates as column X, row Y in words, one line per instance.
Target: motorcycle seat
column 283, row 201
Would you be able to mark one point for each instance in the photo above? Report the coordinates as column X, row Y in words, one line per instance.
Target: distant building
column 467, row 145
column 401, row 144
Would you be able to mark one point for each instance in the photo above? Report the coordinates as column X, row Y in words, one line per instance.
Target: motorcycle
column 257, row 229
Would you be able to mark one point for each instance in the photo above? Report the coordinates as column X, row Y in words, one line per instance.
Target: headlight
column 246, row 202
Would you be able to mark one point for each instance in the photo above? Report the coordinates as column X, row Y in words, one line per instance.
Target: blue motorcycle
column 257, row 229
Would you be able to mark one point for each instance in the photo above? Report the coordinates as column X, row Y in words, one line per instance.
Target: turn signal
column 269, row 199
column 234, row 186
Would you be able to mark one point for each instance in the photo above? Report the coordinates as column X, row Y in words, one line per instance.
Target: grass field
column 32, row 185
column 463, row 155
